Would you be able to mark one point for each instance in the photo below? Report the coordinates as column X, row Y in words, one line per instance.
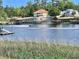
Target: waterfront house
column 41, row 13
column 69, row 13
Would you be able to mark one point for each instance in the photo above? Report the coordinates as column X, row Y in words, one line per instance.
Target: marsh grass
column 36, row 50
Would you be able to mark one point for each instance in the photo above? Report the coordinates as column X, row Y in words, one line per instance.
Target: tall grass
column 37, row 50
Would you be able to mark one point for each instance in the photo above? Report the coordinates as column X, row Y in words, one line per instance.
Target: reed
column 36, row 50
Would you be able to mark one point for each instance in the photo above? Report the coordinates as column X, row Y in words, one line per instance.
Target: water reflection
column 62, row 25
column 42, row 32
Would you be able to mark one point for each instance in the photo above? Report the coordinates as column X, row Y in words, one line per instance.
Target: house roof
column 41, row 11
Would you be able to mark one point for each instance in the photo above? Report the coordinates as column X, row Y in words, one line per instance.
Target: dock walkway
column 5, row 32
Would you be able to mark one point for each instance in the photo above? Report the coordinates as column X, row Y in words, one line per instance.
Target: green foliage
column 69, row 5
column 76, row 7
column 20, row 12
column 54, row 11
column 17, row 12
column 62, row 6
column 31, row 7
column 3, row 16
column 9, row 11
column 49, row 6
column 30, row 11
column 1, row 3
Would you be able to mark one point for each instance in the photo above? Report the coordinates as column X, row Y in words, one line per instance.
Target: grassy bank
column 36, row 50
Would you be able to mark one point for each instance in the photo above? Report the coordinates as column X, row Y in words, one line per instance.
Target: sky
column 19, row 3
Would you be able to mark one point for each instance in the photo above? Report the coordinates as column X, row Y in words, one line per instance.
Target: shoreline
column 34, row 20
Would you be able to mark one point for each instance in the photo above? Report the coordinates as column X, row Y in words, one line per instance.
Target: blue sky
column 15, row 3
column 18, row 3
column 76, row 1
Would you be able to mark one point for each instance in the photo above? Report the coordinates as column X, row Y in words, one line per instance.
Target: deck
column 38, row 20
column 5, row 32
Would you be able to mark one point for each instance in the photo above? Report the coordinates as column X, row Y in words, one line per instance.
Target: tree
column 54, row 11
column 17, row 12
column 29, row 8
column 76, row 7
column 49, row 6
column 41, row 3
column 69, row 5
column 44, row 2
column 9, row 11
column 3, row 16
column 23, row 12
column 61, row 6
column 36, row 2
column 0, row 3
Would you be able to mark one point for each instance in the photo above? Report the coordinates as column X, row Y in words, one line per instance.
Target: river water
column 63, row 33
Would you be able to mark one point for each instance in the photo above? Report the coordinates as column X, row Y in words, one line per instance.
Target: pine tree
column 0, row 3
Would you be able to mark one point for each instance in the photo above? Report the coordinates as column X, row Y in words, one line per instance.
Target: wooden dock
column 37, row 20
column 66, row 19
column 5, row 32
column 32, row 20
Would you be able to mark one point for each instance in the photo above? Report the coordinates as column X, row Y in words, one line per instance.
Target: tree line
column 27, row 11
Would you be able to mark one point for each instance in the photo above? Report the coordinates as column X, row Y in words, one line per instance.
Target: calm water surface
column 67, row 34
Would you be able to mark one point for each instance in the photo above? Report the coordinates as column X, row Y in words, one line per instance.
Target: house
column 69, row 13
column 41, row 13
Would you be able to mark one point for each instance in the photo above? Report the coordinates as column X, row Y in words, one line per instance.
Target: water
column 67, row 34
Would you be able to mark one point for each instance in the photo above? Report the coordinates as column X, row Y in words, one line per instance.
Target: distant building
column 69, row 13
column 41, row 13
